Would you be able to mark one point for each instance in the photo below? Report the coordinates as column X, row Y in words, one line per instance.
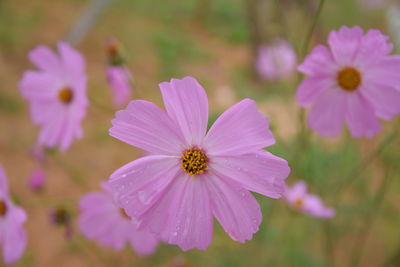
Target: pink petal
column 314, row 206
column 235, row 208
column 239, row 130
column 45, row 59
column 71, row 129
column 52, row 130
column 143, row 242
column 144, row 125
column 384, row 72
column 327, row 114
column 72, row 61
column 14, row 243
column 36, row 86
column 119, row 79
column 385, row 100
column 43, row 111
column 186, row 103
column 100, row 220
column 345, row 43
column 318, row 63
column 360, row 116
column 139, row 184
column 372, row 48
column 183, row 215
column 260, row 172
column 310, row 88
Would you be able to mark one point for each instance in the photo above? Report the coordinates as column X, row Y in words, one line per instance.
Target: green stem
column 361, row 167
column 310, row 32
column 371, row 216
column 302, row 121
column 328, row 243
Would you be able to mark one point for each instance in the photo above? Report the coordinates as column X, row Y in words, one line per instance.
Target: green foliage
column 173, row 50
column 9, row 103
column 227, row 19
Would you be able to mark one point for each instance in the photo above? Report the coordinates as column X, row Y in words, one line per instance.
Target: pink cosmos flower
column 276, row 61
column 36, row 180
column 355, row 81
column 12, row 217
column 57, row 94
column 103, row 221
column 191, row 175
column 119, row 79
column 299, row 199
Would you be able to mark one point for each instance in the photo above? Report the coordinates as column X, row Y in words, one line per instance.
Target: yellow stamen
column 3, row 208
column 299, row 203
column 349, row 79
column 194, row 161
column 66, row 95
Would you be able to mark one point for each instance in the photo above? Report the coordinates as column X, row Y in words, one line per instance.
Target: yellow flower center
column 349, row 79
column 3, row 208
column 194, row 161
column 66, row 95
column 123, row 214
column 299, row 203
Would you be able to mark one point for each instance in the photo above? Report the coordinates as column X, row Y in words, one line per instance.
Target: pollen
column 66, row 95
column 194, row 161
column 3, row 208
column 299, row 203
column 349, row 79
column 123, row 214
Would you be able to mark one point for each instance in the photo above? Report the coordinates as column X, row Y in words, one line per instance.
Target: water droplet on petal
column 144, row 197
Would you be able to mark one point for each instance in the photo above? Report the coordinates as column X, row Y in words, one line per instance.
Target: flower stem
column 302, row 117
column 369, row 220
column 310, row 32
column 356, row 172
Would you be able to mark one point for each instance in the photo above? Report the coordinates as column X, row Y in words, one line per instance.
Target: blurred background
column 218, row 42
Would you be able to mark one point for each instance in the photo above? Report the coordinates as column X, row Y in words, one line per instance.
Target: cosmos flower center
column 123, row 214
column 194, row 161
column 66, row 95
column 299, row 203
column 3, row 208
column 349, row 79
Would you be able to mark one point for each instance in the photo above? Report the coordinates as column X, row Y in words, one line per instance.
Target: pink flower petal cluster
column 191, row 175
column 103, row 221
column 12, row 217
column 57, row 94
column 354, row 81
column 276, row 61
column 119, row 79
column 298, row 198
column 36, row 180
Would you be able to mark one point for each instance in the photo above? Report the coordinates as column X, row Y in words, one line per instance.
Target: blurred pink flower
column 372, row 4
column 355, row 80
column 119, row 79
column 276, row 61
column 192, row 176
column 57, row 94
column 103, row 221
column 299, row 199
column 12, row 217
column 36, row 180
